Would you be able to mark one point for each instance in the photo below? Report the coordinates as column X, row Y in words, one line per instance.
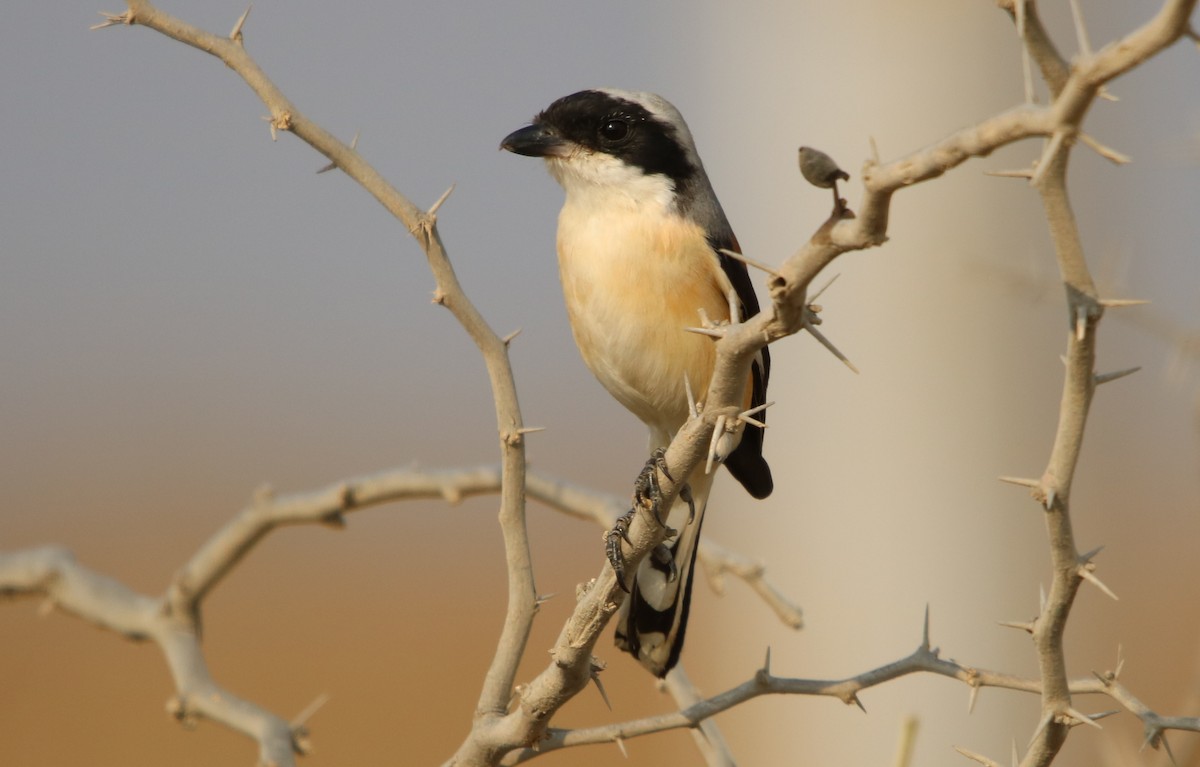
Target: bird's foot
column 647, row 492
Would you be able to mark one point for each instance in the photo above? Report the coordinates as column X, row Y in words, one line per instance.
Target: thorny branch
column 925, row 659
column 501, row 728
column 284, row 116
column 53, row 574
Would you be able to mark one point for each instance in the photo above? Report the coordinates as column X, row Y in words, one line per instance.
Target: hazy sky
column 187, row 310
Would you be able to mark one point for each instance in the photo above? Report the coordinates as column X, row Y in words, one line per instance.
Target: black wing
column 746, row 462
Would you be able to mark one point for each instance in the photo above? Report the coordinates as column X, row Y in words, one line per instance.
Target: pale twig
column 707, row 737
column 54, row 574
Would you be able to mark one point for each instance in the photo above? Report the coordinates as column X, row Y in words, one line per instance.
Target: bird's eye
column 614, row 130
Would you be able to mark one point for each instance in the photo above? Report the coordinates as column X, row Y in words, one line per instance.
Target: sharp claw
column 662, row 557
column 659, row 460
column 685, row 493
column 646, row 490
column 612, row 547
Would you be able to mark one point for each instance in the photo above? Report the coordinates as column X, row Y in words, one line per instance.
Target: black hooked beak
column 536, row 141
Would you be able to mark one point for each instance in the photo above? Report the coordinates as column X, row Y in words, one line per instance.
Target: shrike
column 639, row 240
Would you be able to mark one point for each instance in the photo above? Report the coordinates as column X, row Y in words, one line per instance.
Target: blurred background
column 187, row 311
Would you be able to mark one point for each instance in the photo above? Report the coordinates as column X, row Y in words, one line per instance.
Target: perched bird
column 639, row 240
column 820, row 170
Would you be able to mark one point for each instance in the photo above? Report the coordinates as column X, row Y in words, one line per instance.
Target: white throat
column 597, row 180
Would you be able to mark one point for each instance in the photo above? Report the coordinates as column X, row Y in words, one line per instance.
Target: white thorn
column 433, row 209
column 812, row 330
column 718, row 432
column 1083, row 718
column 236, row 34
column 693, row 411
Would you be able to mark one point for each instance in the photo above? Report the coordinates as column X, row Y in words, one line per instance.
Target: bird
column 640, row 241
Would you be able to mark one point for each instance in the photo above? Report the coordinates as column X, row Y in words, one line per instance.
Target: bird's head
column 619, row 143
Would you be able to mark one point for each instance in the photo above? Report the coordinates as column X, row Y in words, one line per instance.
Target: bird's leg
column 646, row 490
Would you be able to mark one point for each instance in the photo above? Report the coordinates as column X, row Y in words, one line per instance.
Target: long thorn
column 1103, row 378
column 433, row 209
column 1083, row 718
column 1045, row 722
column 812, row 330
column 1022, row 481
column 974, row 757
column 823, row 288
column 621, row 745
column 1107, row 152
column 113, row 19
column 236, row 34
column 693, row 411
column 1026, row 626
column 1026, row 173
column 600, row 688
column 309, row 710
column 748, row 261
column 1090, row 577
column 718, row 431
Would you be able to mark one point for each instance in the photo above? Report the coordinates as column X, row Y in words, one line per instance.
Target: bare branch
column 498, row 683
column 708, row 738
column 54, row 574
column 923, row 660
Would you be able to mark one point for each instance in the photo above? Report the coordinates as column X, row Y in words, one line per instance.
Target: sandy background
column 187, row 311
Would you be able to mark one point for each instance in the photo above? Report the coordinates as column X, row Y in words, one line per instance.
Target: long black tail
column 653, row 619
